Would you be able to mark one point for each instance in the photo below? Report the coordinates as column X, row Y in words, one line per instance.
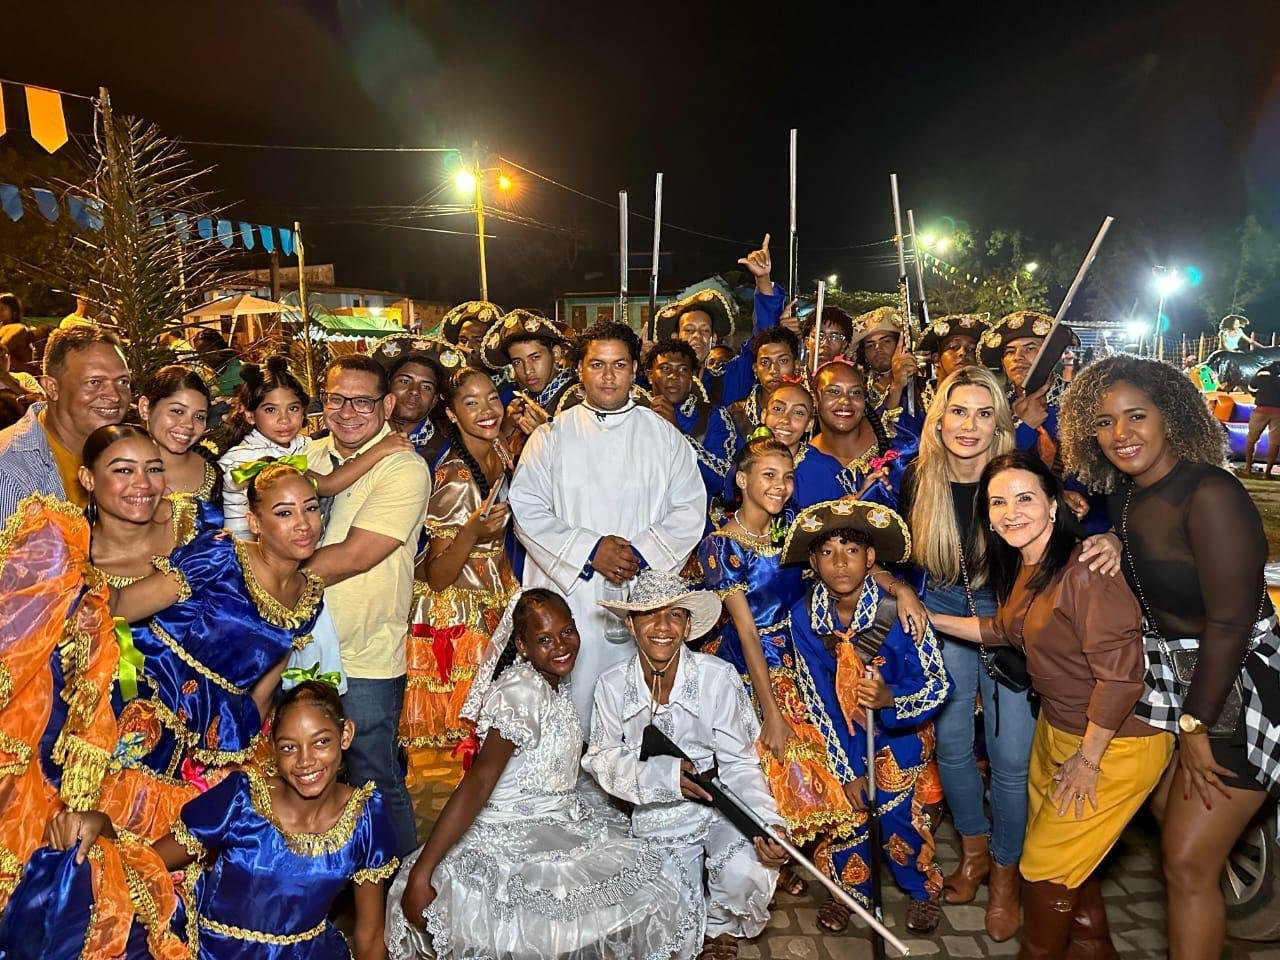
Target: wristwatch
column 1189, row 724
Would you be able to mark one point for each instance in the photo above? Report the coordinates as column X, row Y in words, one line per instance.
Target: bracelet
column 1096, row 768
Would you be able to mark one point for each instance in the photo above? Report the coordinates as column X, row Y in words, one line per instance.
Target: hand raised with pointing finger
column 761, row 266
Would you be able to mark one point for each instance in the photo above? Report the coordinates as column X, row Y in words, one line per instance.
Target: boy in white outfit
column 699, row 702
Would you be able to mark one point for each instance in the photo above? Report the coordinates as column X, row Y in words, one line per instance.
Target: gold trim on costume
column 271, row 609
column 167, row 639
column 163, row 565
column 256, row 936
column 21, row 752
column 377, row 874
column 187, row 840
column 311, row 844
column 6, row 684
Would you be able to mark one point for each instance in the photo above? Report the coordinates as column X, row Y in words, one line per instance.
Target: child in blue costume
column 855, row 454
column 870, row 663
column 211, row 639
column 265, row 857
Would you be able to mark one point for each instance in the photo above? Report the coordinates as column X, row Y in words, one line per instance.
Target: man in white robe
column 604, row 490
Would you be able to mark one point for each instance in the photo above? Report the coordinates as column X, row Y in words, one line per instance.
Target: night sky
column 1042, row 117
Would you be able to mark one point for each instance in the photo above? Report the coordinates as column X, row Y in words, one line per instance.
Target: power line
column 65, row 93
column 288, row 146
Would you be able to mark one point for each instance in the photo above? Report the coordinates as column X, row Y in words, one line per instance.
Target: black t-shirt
column 963, row 498
column 1265, row 386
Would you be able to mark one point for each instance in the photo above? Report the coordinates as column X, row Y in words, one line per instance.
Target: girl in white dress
column 518, row 865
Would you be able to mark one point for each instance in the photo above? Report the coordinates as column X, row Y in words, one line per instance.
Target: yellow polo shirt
column 371, row 610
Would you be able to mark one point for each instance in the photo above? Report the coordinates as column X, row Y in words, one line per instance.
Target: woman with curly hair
column 1194, row 547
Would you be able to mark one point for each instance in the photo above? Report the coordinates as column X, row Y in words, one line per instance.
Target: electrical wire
column 39, row 86
column 288, row 146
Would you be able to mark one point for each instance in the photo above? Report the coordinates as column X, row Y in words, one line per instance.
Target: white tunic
column 582, row 477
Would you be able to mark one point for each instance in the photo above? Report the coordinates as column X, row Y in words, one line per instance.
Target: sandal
column 923, row 916
column 791, row 883
column 833, row 916
column 723, row 947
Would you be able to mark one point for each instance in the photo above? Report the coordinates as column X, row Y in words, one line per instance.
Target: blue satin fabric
column 719, row 440
column 258, row 883
column 48, row 915
column 821, row 477
column 728, row 565
column 220, row 628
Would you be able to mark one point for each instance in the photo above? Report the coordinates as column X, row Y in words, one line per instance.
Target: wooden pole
column 653, row 265
column 817, row 324
column 308, row 364
column 623, row 256
column 793, row 282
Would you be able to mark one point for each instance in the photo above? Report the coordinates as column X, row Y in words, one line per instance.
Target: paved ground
column 1133, row 888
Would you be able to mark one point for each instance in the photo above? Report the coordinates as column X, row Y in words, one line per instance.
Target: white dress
column 583, row 476
column 539, row 875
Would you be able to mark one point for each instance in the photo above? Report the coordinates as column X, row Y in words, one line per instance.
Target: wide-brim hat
column 709, row 300
column 879, row 320
column 482, row 311
column 972, row 325
column 423, row 348
column 657, row 589
column 519, row 323
column 888, row 531
column 1018, row 325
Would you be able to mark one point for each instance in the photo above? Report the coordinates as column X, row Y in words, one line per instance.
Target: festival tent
column 240, row 305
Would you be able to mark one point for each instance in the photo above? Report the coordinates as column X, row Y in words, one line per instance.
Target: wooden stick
column 817, row 324
column 653, row 267
column 623, row 256
column 794, row 244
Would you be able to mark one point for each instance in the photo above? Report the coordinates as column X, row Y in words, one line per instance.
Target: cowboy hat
column 481, row 311
column 519, row 324
column 1019, row 325
column 888, row 531
column 971, row 325
column 879, row 320
column 657, row 590
column 398, row 348
column 708, row 300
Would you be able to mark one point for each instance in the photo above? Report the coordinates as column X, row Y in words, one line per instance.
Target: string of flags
column 46, row 118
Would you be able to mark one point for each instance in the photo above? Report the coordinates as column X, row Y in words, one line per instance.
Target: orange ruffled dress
column 451, row 628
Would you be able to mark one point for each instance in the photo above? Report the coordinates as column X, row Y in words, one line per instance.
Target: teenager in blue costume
column 853, row 655
column 951, row 343
column 836, row 332
column 855, row 454
column 535, row 351
column 417, row 366
column 877, row 344
column 212, row 629
column 705, row 316
column 265, row 859
column 680, row 400
column 777, row 359
column 741, row 563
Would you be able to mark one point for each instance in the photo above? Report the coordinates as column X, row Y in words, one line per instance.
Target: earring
column 991, row 527
column 1053, row 517
column 91, row 511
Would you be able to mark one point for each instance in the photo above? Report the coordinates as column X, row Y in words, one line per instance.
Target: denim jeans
column 1009, row 753
column 374, row 707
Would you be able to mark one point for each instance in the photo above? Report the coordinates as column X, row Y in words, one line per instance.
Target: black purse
column 1007, row 666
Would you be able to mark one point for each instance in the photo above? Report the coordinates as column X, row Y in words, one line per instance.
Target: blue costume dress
column 201, row 658
column 809, row 797
column 267, row 893
column 827, row 661
column 710, row 432
column 821, row 477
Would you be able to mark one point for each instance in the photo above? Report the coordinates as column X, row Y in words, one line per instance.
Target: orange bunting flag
column 3, row 126
column 48, row 124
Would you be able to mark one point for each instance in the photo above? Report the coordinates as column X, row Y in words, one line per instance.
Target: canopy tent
column 239, row 305
column 329, row 326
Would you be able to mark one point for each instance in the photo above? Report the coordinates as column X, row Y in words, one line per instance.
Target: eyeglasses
column 336, row 401
column 833, row 336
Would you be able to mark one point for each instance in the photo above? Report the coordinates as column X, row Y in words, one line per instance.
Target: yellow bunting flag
column 3, row 126
column 48, row 125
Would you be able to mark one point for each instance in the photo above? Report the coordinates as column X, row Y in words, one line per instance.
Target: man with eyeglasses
column 837, row 328
column 366, row 558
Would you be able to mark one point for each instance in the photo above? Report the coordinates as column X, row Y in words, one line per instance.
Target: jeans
column 1009, row 753
column 374, row 707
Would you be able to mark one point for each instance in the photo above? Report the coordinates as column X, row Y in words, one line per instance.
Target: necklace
column 765, row 537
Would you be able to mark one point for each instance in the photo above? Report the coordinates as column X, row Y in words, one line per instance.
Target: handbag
column 1184, row 662
column 1006, row 665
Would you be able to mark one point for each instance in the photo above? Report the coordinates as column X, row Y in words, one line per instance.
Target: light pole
column 1168, row 281
column 472, row 181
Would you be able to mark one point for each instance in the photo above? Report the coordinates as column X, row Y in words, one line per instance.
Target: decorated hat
column 972, row 325
column 888, row 531
column 432, row 351
column 515, row 325
column 1015, row 326
column 879, row 320
column 657, row 589
column 709, row 300
column 482, row 311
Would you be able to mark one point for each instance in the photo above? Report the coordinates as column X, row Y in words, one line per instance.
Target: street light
column 1031, row 267
column 1168, row 281
column 504, row 182
column 831, row 280
column 465, row 181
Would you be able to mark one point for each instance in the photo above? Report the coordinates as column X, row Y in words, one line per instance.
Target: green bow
column 243, row 474
column 301, row 675
column 760, row 433
column 130, row 662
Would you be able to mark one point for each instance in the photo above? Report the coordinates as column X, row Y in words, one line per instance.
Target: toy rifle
column 655, row 743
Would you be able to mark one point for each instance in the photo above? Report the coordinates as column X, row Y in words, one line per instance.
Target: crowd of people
column 225, row 624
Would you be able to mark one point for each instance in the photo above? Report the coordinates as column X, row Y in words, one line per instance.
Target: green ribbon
column 760, row 433
column 130, row 662
column 243, row 474
column 301, row 675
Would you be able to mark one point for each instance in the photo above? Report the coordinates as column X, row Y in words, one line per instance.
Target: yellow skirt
column 1062, row 849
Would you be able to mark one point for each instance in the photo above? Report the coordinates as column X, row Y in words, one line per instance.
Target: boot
column 1004, row 903
column 1090, row 932
column 1050, row 911
column 975, row 864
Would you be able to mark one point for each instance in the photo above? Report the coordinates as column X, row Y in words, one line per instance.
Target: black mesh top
column 1198, row 544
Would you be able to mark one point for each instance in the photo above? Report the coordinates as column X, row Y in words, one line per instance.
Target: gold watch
column 1189, row 724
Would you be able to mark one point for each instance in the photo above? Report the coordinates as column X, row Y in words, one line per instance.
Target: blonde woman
column 969, row 423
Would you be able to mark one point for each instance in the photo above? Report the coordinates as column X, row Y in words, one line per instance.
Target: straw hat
column 879, row 320
column 888, row 531
column 517, row 324
column 657, row 589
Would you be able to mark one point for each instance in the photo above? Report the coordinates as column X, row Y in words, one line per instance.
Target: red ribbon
column 442, row 640
column 193, row 773
column 467, row 749
column 881, row 462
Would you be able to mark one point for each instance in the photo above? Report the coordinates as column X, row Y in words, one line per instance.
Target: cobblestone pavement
column 1133, row 888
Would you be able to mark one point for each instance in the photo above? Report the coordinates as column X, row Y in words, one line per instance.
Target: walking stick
column 655, row 743
column 873, row 826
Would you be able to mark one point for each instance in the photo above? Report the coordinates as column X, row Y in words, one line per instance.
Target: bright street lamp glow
column 1137, row 329
column 928, row 240
column 831, row 280
column 1168, row 284
column 1032, row 267
column 504, row 182
column 464, row 181
column 943, row 244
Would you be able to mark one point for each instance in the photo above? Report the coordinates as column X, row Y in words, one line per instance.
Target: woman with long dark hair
column 466, row 579
column 1094, row 760
column 174, row 408
column 1139, row 431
